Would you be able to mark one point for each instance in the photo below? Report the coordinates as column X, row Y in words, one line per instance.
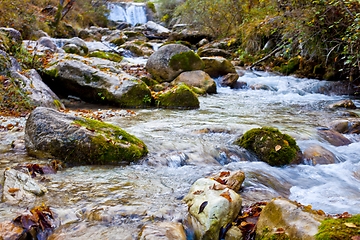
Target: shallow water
column 114, row 202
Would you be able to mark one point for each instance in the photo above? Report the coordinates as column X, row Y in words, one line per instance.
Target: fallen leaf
column 198, row 192
column 286, row 142
column 217, row 187
column 202, row 206
column 226, row 195
column 12, row 190
column 356, row 237
column 350, row 225
column 225, row 174
column 77, row 124
column 277, row 148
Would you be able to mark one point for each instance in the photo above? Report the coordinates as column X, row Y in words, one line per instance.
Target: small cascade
column 132, row 13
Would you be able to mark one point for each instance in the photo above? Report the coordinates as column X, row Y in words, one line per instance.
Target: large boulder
column 180, row 96
column 171, row 60
column 20, row 187
column 271, row 146
column 76, row 45
column 156, row 27
column 296, row 221
column 218, row 66
column 211, row 207
column 198, row 79
column 163, row 231
column 95, row 80
column 39, row 93
column 77, row 140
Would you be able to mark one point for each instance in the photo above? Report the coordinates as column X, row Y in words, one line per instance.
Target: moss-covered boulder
column 135, row 35
column 109, row 56
column 180, row 96
column 77, row 140
column 138, row 48
column 118, row 41
column 198, row 79
column 171, row 60
column 291, row 66
column 271, row 146
column 340, row 228
column 218, row 66
column 76, row 45
column 95, row 80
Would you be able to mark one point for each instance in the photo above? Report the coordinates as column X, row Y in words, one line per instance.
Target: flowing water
column 114, row 202
column 132, row 13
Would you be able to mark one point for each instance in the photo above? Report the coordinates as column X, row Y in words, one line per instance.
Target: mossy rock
column 118, row 41
column 79, row 141
column 180, row 96
column 291, row 66
column 185, row 43
column 109, row 56
column 186, row 61
column 151, row 6
column 339, row 229
column 149, row 81
column 270, row 145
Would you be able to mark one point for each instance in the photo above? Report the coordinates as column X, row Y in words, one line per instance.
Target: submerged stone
column 271, row 146
column 77, row 140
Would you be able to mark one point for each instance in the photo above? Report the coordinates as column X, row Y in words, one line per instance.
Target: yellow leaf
column 350, row 225
column 32, row 86
column 277, row 148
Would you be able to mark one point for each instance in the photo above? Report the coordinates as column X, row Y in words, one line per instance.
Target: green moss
column 135, row 97
column 270, row 145
column 149, row 81
column 151, row 6
column 72, row 51
column 52, row 72
column 110, row 144
column 57, row 103
column 185, row 61
column 134, row 34
column 109, row 56
column 198, row 91
column 181, row 96
column 291, row 66
column 118, row 41
column 336, row 229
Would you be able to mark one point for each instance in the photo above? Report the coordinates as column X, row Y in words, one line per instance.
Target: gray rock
column 163, row 231
column 198, row 79
column 213, row 52
column 20, row 187
column 40, row 93
column 77, row 140
column 234, row 233
column 298, row 223
column 218, row 66
column 40, row 33
column 203, row 42
column 156, row 27
column 116, row 35
column 167, row 63
column 87, row 79
column 47, row 42
column 71, row 48
column 78, row 45
column 211, row 209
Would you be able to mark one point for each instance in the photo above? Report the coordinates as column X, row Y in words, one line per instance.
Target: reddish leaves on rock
column 224, row 174
column 226, row 195
column 198, row 192
column 217, row 187
column 41, row 169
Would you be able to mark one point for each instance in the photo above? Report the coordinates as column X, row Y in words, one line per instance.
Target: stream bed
column 114, row 202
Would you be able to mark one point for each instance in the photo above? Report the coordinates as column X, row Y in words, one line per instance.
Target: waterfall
column 132, row 13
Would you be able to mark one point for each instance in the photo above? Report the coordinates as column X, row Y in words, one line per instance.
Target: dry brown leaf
column 225, row 174
column 217, row 187
column 198, row 192
column 226, row 195
column 12, row 190
column 277, row 148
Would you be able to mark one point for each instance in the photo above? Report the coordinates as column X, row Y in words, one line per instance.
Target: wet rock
column 211, row 207
column 297, row 221
column 234, row 233
column 217, row 66
column 213, row 52
column 163, row 231
column 40, row 93
column 349, row 125
column 180, row 96
column 261, row 87
column 135, row 36
column 346, row 114
column 175, row 159
column 271, row 146
column 333, row 137
column 117, row 34
column 156, row 27
column 342, row 104
column 171, row 60
column 88, row 34
column 9, row 231
column 20, row 187
column 198, row 79
column 138, row 48
column 230, row 80
column 108, row 56
column 77, row 140
column 231, row 179
column 240, row 85
column 95, row 80
column 316, row 154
